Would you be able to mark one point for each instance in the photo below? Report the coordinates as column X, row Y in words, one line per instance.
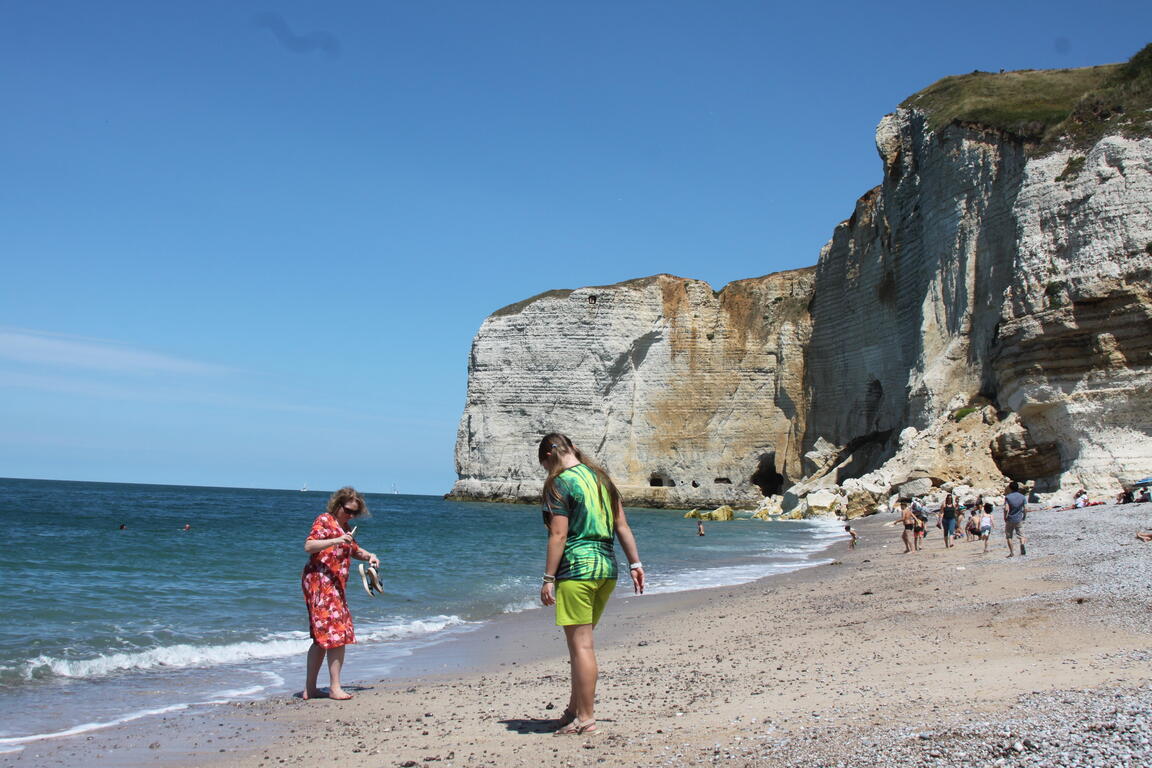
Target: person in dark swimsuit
column 946, row 519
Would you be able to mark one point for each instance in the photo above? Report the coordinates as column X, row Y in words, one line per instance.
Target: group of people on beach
column 970, row 521
column 583, row 514
column 1134, row 496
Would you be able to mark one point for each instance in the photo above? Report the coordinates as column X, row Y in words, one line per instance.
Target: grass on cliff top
column 518, row 307
column 1048, row 108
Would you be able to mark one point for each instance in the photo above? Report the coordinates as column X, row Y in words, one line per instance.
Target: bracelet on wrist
column 635, row 565
column 549, row 579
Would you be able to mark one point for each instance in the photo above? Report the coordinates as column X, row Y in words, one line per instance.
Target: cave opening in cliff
column 766, row 478
column 659, row 480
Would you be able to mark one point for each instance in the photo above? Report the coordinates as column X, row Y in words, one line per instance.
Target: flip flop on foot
column 578, row 728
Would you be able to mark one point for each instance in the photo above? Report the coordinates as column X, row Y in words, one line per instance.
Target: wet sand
column 841, row 662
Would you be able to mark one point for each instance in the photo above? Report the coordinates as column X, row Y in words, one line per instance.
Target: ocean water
column 103, row 626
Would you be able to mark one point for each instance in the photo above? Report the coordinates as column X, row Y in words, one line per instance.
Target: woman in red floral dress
column 331, row 548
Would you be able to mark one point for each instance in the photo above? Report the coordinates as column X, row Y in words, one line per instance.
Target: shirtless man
column 910, row 521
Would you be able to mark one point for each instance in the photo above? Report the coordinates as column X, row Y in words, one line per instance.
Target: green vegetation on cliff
column 1048, row 108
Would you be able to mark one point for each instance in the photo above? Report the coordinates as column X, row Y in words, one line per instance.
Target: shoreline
column 464, row 649
column 866, row 646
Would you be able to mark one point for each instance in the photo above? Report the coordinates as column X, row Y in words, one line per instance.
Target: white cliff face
column 1075, row 344
column 908, row 291
column 977, row 273
column 973, row 275
column 681, row 393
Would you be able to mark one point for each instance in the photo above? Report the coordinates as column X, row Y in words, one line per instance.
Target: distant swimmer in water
column 187, row 526
column 699, row 527
column 123, row 526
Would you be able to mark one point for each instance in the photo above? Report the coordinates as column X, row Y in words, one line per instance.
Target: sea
column 123, row 602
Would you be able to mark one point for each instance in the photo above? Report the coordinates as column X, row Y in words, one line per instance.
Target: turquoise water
column 104, row 625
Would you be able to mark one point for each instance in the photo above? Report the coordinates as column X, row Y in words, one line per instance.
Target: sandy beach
column 943, row 657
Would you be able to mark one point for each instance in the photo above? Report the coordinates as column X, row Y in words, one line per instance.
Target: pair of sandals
column 570, row 725
column 370, row 578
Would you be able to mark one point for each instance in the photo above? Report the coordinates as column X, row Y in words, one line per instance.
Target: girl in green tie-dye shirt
column 583, row 513
column 588, row 553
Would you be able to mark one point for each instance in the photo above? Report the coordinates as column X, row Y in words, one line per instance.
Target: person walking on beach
column 331, row 548
column 1015, row 513
column 583, row 514
column 853, row 534
column 909, row 520
column 986, row 524
column 946, row 519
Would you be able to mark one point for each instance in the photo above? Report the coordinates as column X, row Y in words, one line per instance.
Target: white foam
column 724, row 576
column 183, row 656
column 239, row 693
column 519, row 606
column 180, row 656
column 409, row 629
column 86, row 727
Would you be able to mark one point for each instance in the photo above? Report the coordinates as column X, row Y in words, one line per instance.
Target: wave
column 16, row 741
column 188, row 655
column 726, row 576
column 519, row 606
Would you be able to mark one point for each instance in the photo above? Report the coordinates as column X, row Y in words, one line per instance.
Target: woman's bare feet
column 337, row 694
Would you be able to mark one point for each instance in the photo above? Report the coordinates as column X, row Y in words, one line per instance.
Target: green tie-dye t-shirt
column 588, row 553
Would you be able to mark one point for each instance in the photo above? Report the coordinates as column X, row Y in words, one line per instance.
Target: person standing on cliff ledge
column 583, row 513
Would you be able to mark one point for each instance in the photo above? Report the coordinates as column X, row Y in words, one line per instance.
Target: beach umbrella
column 1145, row 481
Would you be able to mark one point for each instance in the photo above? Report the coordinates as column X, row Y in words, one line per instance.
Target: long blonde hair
column 555, row 441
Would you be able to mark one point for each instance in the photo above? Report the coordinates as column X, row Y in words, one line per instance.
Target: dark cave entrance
column 766, row 478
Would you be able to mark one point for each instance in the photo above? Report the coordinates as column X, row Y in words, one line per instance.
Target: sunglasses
column 352, row 510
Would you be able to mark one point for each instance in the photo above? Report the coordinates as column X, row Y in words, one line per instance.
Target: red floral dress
column 323, row 582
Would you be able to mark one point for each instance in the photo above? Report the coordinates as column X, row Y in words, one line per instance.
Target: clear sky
column 249, row 243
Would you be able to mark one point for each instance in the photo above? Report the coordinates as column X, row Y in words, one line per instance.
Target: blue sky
column 250, row 243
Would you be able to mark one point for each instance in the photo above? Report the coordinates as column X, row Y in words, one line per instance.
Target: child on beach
column 583, row 513
column 852, row 533
column 986, row 524
column 972, row 529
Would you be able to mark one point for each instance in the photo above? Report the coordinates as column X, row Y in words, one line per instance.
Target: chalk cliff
column 685, row 394
column 1000, row 269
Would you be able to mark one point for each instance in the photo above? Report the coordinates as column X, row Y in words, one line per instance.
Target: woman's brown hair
column 554, row 441
column 345, row 495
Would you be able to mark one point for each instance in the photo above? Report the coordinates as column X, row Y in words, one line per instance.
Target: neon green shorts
column 581, row 602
